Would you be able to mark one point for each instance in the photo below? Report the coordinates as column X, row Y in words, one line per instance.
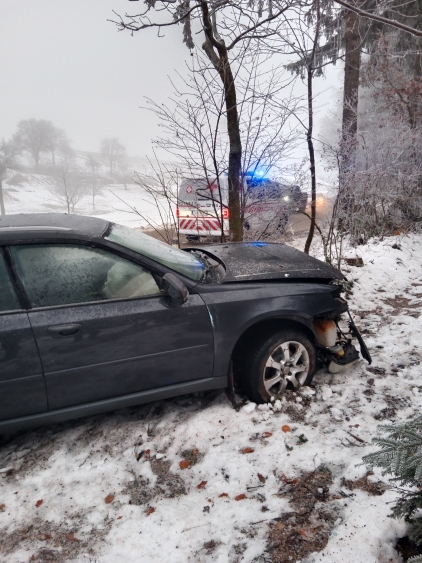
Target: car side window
column 8, row 299
column 63, row 274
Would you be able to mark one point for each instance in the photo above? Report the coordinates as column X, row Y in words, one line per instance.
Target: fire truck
column 203, row 212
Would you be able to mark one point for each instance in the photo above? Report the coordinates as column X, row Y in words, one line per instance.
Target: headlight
column 286, row 198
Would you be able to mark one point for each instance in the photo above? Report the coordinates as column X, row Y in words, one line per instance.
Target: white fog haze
column 64, row 62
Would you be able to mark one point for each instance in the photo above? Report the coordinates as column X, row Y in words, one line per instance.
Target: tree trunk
column 36, row 157
column 2, row 209
column 350, row 114
column 222, row 65
column 235, row 154
column 310, row 131
column 351, row 75
column 311, row 151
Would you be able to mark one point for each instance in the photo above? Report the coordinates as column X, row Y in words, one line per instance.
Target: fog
column 64, row 62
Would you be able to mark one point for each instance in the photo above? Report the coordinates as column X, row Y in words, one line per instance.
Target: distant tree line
column 73, row 175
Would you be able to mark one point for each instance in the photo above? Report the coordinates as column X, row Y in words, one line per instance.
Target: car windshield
column 183, row 262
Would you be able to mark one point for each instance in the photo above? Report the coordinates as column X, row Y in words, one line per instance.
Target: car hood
column 247, row 261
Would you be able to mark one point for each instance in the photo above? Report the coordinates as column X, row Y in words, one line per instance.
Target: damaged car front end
column 335, row 348
column 287, row 308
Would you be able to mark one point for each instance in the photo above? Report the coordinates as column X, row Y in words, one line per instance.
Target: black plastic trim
column 32, row 421
column 16, row 281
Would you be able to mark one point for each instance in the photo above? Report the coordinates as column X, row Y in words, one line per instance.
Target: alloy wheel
column 286, row 366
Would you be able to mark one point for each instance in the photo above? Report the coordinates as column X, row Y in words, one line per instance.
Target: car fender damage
column 335, row 348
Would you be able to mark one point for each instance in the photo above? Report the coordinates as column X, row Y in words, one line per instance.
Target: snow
column 34, row 195
column 87, row 471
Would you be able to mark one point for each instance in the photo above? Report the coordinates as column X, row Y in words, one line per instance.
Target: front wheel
column 281, row 361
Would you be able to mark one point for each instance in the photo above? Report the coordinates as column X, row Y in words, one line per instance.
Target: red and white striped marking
column 199, row 225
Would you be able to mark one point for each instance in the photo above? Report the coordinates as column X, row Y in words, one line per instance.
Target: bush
column 401, row 456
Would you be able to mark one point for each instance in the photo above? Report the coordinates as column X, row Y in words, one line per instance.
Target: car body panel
column 88, row 409
column 122, row 346
column 234, row 308
column 245, row 261
column 22, row 385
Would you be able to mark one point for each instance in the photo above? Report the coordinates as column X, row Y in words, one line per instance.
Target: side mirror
column 174, row 288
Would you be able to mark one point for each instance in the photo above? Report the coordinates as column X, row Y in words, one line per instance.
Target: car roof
column 27, row 226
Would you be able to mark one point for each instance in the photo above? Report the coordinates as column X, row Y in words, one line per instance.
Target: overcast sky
column 61, row 60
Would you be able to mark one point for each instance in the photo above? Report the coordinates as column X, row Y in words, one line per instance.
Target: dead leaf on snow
column 184, row 464
column 223, row 495
column 261, row 478
column 47, row 536
column 248, row 450
column 287, row 480
column 109, row 499
column 2, row 506
column 39, row 503
column 71, row 536
column 286, row 428
column 150, row 510
column 267, row 434
column 240, row 497
column 201, row 485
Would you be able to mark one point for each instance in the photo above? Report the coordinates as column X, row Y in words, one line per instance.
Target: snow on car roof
column 58, row 223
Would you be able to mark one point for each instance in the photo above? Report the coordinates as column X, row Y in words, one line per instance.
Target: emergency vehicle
column 202, row 209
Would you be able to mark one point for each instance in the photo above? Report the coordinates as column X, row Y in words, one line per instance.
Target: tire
column 192, row 238
column 257, row 372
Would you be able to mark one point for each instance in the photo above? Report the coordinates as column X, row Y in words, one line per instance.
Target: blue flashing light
column 258, row 244
column 257, row 174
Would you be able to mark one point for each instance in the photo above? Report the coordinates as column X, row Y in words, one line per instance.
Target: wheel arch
column 264, row 328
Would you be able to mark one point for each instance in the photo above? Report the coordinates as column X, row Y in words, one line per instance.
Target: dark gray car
column 95, row 316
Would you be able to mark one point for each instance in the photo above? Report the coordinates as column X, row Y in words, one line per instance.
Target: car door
column 22, row 386
column 102, row 327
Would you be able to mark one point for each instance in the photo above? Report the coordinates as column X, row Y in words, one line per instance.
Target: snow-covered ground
column 114, row 202
column 192, row 479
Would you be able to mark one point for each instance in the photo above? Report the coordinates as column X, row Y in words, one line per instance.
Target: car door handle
column 63, row 330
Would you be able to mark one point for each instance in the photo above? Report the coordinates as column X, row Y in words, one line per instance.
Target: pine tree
column 401, row 456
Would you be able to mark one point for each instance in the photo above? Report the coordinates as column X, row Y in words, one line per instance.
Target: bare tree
column 8, row 161
column 225, row 25
column 372, row 15
column 69, row 186
column 123, row 171
column 195, row 135
column 57, row 142
column 93, row 185
column 304, row 41
column 160, row 187
column 34, row 136
column 112, row 150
